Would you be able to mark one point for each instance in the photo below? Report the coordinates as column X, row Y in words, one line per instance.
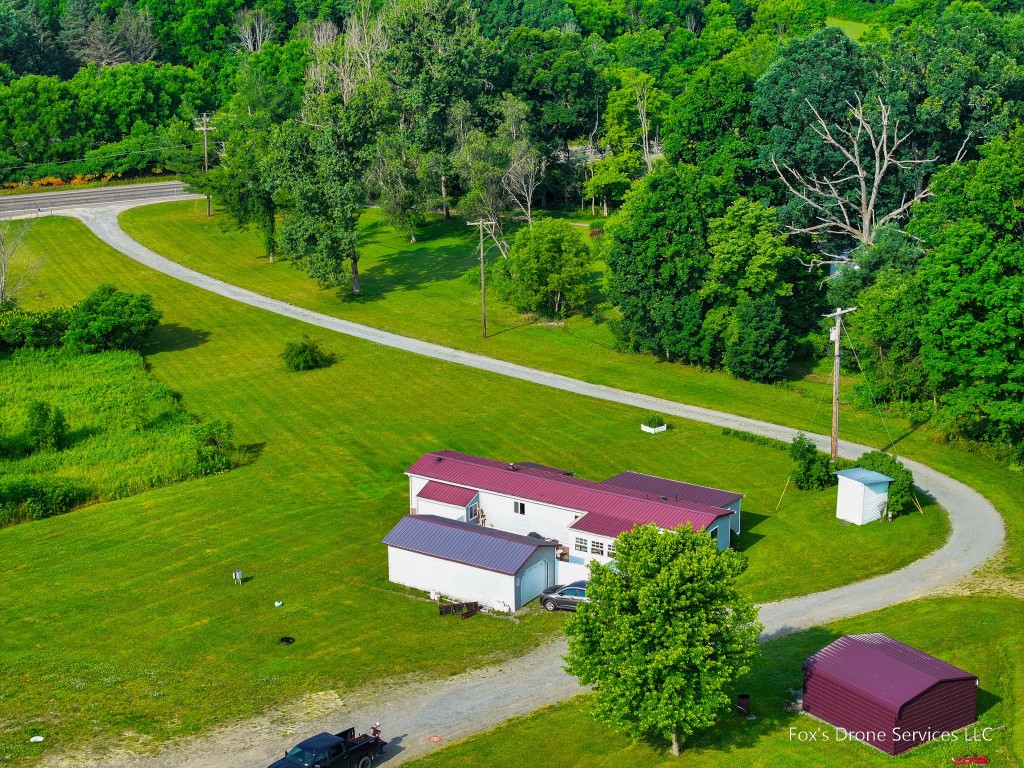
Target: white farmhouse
column 547, row 504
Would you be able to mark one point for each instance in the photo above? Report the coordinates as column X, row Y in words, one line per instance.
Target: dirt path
column 476, row 701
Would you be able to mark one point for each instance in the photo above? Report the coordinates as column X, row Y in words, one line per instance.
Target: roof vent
column 438, row 459
column 512, row 467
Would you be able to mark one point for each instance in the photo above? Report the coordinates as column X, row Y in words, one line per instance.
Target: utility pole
column 202, row 123
column 483, row 285
column 836, row 334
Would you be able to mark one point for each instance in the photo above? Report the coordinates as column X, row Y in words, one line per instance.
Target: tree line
column 760, row 167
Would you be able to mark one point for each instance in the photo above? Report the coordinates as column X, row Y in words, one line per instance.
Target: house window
column 597, row 548
column 520, row 507
column 581, row 545
column 611, row 550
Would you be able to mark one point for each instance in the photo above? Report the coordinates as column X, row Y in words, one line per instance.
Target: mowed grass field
column 418, row 290
column 121, row 622
column 983, row 635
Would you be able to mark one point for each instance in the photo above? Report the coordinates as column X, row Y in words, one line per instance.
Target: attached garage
column 888, row 694
column 468, row 562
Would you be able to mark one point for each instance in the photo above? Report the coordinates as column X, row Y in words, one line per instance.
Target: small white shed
column 863, row 495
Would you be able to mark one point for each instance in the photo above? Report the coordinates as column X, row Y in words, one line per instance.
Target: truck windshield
column 300, row 756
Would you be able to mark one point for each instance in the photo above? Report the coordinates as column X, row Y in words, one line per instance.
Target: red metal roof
column 673, row 489
column 609, row 510
column 455, row 495
column 882, row 669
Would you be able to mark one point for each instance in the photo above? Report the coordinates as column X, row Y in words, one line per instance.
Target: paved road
column 52, row 202
column 479, row 700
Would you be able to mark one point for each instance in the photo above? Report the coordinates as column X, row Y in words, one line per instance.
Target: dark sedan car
column 564, row 596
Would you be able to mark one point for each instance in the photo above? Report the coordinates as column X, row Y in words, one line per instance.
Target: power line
column 202, row 123
column 104, row 157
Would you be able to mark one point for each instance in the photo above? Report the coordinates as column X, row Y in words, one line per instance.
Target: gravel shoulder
column 412, row 712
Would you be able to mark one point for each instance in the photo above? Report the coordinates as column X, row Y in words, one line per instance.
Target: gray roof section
column 464, row 543
column 865, row 476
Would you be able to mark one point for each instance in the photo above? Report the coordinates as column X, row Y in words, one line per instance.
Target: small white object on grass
column 37, row 739
column 278, row 603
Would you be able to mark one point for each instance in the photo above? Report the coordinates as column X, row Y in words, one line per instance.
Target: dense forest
column 758, row 167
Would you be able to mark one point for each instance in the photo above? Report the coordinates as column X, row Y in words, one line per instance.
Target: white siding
column 567, row 572
column 876, row 497
column 415, row 486
column 455, row 580
column 449, row 511
column 549, row 521
column 858, row 503
column 850, row 501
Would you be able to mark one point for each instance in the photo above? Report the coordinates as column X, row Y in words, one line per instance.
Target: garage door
column 535, row 578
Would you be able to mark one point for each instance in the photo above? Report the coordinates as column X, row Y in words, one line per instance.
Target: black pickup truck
column 339, row 750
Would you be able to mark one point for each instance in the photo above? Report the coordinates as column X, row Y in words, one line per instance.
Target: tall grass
column 127, row 431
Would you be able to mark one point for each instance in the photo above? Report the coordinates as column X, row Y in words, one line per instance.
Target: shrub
column 37, row 330
column 812, row 470
column 901, row 489
column 750, row 437
column 214, row 447
column 26, row 498
column 109, row 318
column 654, row 420
column 306, row 355
column 47, row 428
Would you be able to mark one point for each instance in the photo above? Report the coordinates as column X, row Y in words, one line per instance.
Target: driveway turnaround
column 478, row 700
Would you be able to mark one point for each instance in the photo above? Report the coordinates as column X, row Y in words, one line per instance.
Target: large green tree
column 972, row 230
column 664, row 634
column 752, row 276
column 319, row 167
column 659, row 259
column 546, row 269
column 243, row 182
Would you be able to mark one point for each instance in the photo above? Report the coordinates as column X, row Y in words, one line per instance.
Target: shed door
column 535, row 578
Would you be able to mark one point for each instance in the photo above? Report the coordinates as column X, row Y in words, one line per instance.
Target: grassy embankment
column 121, row 622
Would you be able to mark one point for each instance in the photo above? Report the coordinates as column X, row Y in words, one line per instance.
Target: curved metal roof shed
column 887, row 694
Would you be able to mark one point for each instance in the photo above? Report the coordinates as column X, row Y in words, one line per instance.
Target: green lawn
column 853, row 29
column 120, row 620
column 418, row 290
column 982, row 635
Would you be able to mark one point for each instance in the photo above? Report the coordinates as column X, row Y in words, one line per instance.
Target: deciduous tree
column 546, row 270
column 664, row 633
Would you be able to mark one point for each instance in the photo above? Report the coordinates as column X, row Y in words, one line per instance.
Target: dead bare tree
column 253, row 29
column 847, row 201
column 133, row 30
column 642, row 88
column 323, row 34
column 341, row 62
column 523, row 175
column 11, row 237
